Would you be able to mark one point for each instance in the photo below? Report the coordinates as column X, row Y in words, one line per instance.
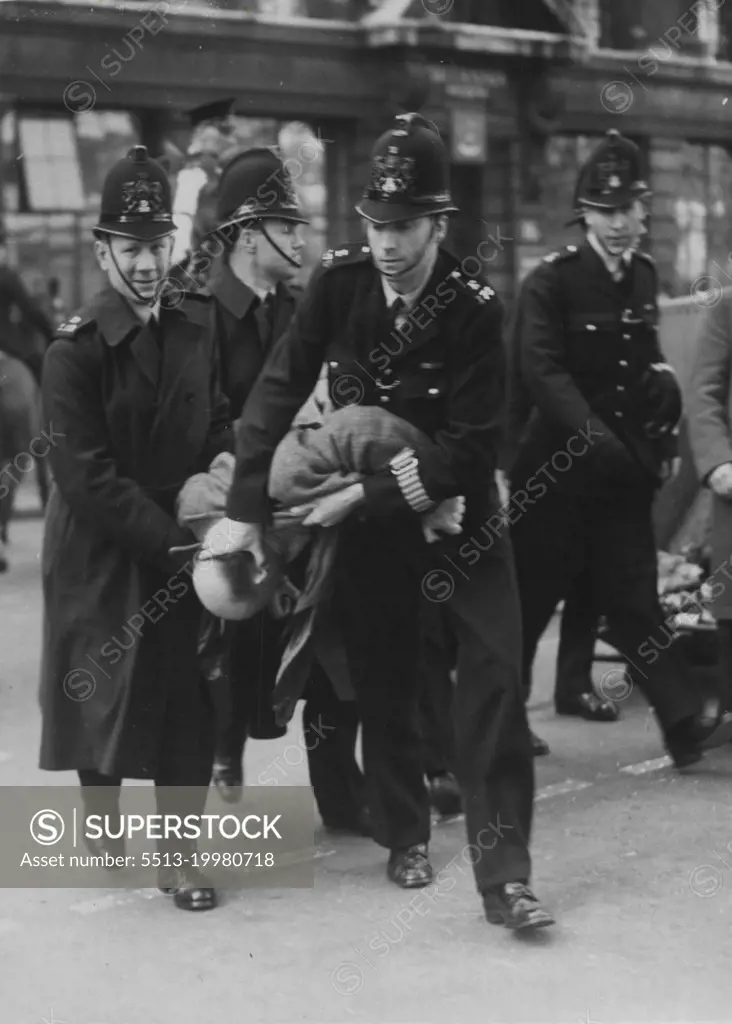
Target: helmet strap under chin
column 276, row 247
column 152, row 301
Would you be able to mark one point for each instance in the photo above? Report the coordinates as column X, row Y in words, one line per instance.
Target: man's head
column 405, row 207
column 134, row 235
column 399, row 249
column 610, row 194
column 257, row 199
column 618, row 229
column 272, row 255
column 135, row 268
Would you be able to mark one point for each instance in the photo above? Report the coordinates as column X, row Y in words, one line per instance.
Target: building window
column 50, row 162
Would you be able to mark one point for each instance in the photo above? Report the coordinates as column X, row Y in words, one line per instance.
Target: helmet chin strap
column 151, row 302
column 275, row 246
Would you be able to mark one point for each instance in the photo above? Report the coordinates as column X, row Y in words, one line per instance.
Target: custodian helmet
column 612, row 175
column 137, row 200
column 410, row 174
column 255, row 185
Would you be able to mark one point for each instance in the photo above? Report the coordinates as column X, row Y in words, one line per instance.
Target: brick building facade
column 520, row 92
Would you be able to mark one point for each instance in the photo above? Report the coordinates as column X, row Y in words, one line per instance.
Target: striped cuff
column 405, row 467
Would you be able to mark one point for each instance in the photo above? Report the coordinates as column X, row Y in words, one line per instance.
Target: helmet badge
column 142, row 197
column 392, row 175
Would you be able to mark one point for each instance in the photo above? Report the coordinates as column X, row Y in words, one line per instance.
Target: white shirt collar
column 611, row 262
column 259, row 292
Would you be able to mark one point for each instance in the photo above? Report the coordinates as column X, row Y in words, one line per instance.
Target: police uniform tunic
column 442, row 369
column 587, row 470
column 246, row 329
column 132, row 417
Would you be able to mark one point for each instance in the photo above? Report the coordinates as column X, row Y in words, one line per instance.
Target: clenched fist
column 720, row 480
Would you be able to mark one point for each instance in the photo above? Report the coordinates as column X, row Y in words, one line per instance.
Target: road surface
column 634, row 860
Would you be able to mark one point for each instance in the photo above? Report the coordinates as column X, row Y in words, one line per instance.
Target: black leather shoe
column 445, row 796
column 410, row 868
column 539, row 747
column 360, row 825
column 229, row 781
column 683, row 742
column 590, row 707
column 514, row 905
column 188, row 887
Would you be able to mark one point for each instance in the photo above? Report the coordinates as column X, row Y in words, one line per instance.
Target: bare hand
column 720, row 480
column 334, row 508
column 504, row 487
column 670, row 469
column 447, row 517
column 228, row 536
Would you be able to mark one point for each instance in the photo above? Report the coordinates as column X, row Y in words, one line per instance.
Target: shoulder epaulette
column 561, row 254
column 71, row 327
column 353, row 252
column 646, row 256
column 478, row 289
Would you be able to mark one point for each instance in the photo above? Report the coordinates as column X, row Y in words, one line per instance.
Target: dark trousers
column 438, row 658
column 577, row 636
column 610, row 536
column 383, row 570
column 330, row 730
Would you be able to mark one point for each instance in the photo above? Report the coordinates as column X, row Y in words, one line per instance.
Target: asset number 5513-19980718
column 228, row 859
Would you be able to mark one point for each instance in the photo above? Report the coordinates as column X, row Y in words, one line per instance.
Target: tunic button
column 388, row 373
column 433, row 391
column 591, row 327
column 620, row 388
column 622, row 362
column 619, row 414
column 626, row 337
column 383, row 398
column 333, row 364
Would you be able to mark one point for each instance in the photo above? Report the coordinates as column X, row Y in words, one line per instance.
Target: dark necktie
column 396, row 310
column 265, row 319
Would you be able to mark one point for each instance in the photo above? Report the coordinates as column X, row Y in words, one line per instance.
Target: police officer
column 600, row 438
column 257, row 247
column 130, row 388
column 16, row 303
column 403, row 327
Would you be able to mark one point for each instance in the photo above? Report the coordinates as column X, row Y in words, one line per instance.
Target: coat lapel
column 180, row 374
column 117, row 322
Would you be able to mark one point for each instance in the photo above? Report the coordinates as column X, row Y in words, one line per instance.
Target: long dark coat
column 709, row 415
column 251, row 649
column 130, row 420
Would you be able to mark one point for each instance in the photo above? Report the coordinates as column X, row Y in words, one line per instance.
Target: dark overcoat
column 591, row 364
column 709, row 415
column 132, row 412
column 252, row 649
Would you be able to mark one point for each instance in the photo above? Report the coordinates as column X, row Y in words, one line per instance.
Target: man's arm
column 707, row 416
column 467, row 448
column 289, row 376
column 543, row 362
column 84, row 468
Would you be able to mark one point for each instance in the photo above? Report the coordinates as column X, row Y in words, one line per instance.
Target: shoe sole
column 539, row 920
column 415, row 884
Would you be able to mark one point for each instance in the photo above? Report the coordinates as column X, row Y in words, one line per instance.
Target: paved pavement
column 636, row 865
